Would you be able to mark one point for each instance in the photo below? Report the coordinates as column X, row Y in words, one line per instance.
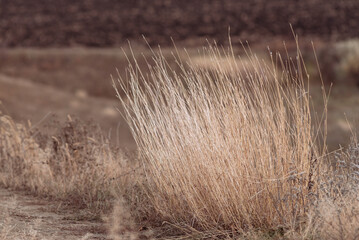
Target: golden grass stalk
column 225, row 150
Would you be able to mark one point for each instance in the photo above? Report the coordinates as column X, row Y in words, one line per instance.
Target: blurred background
column 57, row 57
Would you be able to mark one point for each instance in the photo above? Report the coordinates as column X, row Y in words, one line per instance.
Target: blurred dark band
column 101, row 23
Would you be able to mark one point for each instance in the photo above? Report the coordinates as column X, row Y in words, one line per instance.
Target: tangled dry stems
column 76, row 164
column 335, row 214
column 225, row 151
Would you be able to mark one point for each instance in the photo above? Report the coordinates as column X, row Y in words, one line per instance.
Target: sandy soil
column 26, row 217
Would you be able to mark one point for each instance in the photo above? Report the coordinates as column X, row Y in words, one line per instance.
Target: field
column 188, row 138
column 104, row 23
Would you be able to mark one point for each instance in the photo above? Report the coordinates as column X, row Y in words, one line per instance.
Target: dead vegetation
column 335, row 214
column 227, row 152
column 339, row 61
column 76, row 164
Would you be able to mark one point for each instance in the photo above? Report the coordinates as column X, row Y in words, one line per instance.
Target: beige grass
column 339, row 61
column 337, row 218
column 226, row 149
column 75, row 165
column 225, row 152
column 336, row 213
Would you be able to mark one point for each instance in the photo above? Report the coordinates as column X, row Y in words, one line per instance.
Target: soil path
column 26, row 217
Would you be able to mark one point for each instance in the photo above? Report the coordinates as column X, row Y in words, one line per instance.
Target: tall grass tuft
column 225, row 150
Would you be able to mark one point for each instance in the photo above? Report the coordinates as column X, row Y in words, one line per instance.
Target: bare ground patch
column 26, row 217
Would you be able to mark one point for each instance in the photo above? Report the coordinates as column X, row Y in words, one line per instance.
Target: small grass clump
column 335, row 214
column 340, row 62
column 75, row 165
column 225, row 151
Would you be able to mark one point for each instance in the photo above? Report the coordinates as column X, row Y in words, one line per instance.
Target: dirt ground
column 103, row 23
column 26, row 217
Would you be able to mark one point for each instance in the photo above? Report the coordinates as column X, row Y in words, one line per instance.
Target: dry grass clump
column 337, row 218
column 76, row 164
column 225, row 152
column 349, row 57
column 336, row 213
column 340, row 62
